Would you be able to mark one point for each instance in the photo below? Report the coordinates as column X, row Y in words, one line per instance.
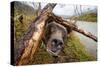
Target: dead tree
column 29, row 42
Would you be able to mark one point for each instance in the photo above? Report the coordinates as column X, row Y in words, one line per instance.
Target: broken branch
column 29, row 43
column 73, row 27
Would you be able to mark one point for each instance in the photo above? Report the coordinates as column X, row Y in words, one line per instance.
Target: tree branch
column 72, row 26
column 29, row 42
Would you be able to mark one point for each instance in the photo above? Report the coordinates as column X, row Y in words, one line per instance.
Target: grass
column 20, row 28
column 88, row 16
column 73, row 51
column 91, row 17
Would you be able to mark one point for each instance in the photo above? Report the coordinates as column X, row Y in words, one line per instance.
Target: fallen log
column 72, row 26
column 28, row 44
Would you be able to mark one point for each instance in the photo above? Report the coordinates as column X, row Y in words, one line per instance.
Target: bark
column 28, row 44
column 72, row 26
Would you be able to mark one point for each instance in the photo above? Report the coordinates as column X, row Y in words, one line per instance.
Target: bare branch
column 29, row 43
column 73, row 27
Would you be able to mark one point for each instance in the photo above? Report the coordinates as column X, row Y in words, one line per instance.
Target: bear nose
column 56, row 42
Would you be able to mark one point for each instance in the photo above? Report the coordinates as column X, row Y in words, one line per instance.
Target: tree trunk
column 28, row 44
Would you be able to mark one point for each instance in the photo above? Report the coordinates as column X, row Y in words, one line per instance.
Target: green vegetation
column 73, row 51
column 21, row 25
column 91, row 17
column 87, row 16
